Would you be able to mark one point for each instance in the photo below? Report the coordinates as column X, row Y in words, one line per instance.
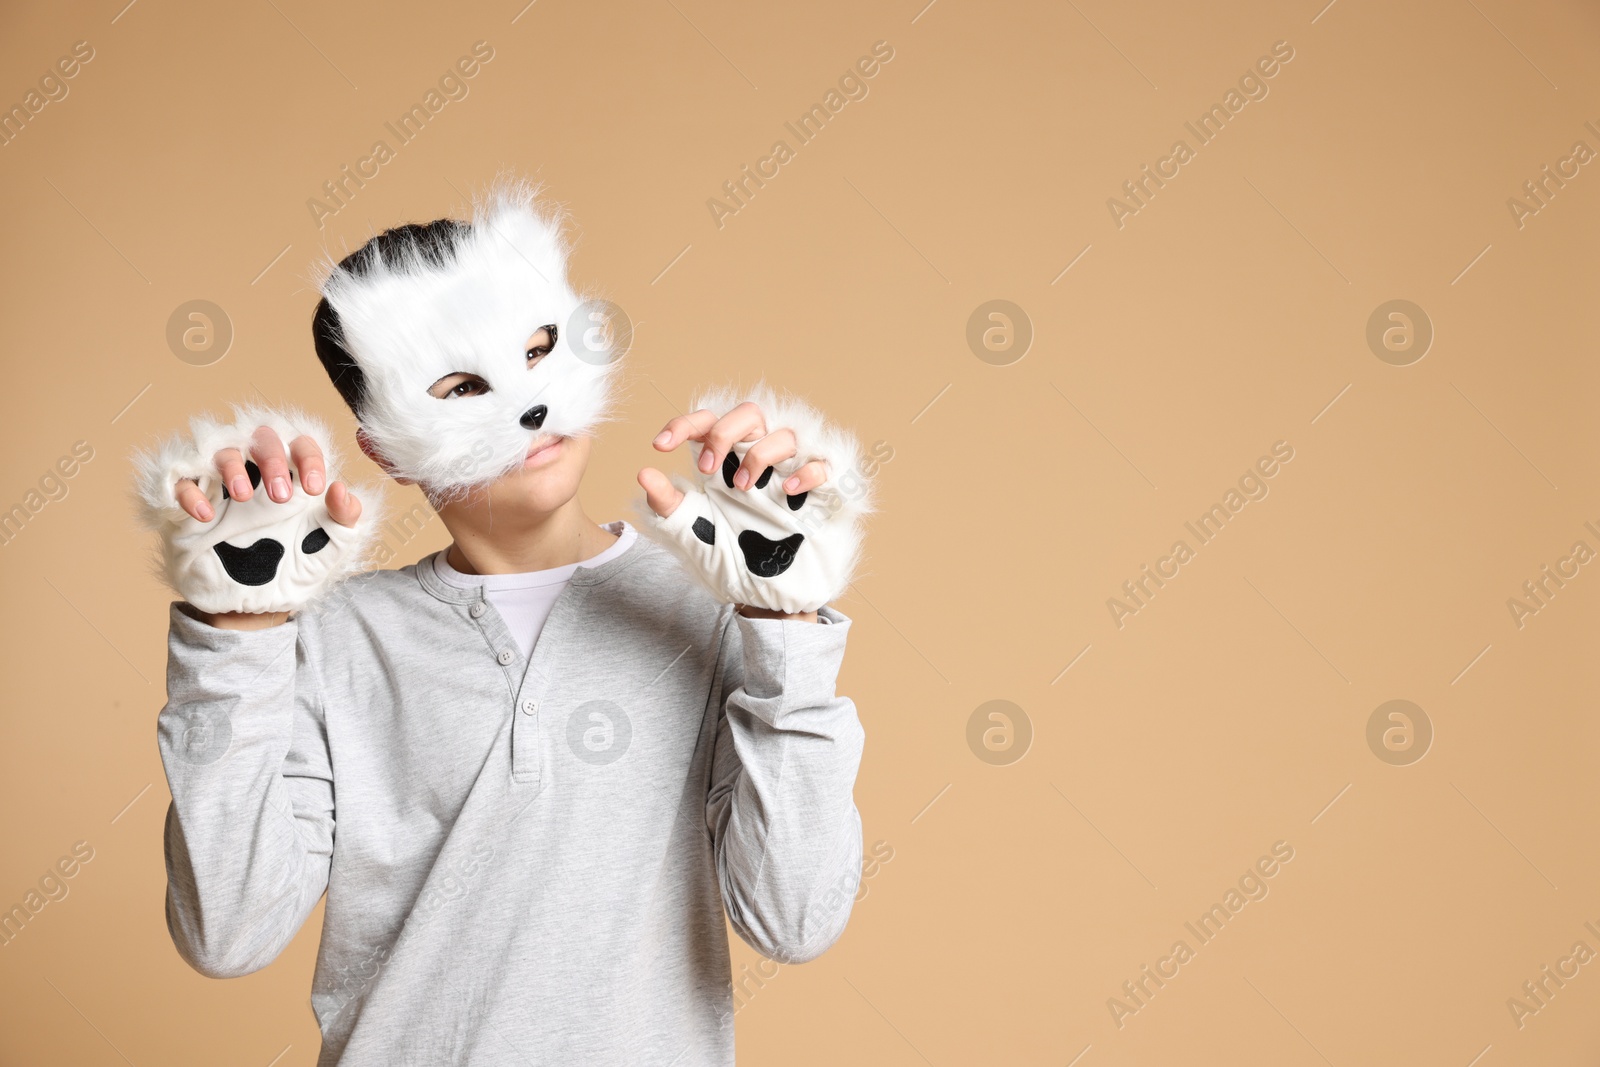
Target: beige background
column 1229, row 314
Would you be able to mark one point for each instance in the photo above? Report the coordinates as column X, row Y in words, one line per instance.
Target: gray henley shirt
column 525, row 862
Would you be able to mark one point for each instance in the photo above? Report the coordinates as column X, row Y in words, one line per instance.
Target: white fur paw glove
column 255, row 554
column 737, row 528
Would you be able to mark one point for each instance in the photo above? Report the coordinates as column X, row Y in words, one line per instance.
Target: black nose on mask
column 533, row 418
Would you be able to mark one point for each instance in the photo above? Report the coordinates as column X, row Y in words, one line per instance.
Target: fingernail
column 791, row 485
column 205, row 511
column 741, row 479
column 662, row 438
column 280, row 489
column 707, row 461
column 313, row 482
column 240, row 487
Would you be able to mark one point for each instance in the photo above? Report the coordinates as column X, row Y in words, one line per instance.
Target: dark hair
column 433, row 242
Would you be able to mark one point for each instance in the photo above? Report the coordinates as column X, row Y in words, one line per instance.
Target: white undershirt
column 524, row 600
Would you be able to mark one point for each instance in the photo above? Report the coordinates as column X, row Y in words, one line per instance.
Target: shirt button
column 530, row 706
column 477, row 610
column 505, row 657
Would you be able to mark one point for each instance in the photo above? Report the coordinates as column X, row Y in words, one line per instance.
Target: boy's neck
column 489, row 543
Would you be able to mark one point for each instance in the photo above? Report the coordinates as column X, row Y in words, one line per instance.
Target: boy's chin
column 547, row 479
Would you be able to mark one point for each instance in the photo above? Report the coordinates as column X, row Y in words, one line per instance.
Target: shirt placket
column 528, row 684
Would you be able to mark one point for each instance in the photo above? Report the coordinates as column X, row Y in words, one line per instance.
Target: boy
column 532, row 771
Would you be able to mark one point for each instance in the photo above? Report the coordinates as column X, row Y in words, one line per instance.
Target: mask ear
column 370, row 450
column 512, row 217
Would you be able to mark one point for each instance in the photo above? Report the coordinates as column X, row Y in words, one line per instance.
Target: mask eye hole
column 542, row 343
column 456, row 385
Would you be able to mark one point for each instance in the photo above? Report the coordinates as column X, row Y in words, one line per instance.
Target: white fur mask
column 471, row 307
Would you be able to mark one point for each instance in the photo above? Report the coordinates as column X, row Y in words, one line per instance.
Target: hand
column 248, row 528
column 747, row 422
column 770, row 520
column 266, row 450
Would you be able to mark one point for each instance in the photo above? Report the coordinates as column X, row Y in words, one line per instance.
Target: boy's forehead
column 456, row 313
column 472, row 293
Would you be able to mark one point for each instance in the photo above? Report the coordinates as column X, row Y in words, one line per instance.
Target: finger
column 743, row 423
column 771, row 450
column 230, row 465
column 193, row 501
column 343, row 507
column 807, row 478
column 684, row 428
column 659, row 492
column 307, row 459
column 267, row 450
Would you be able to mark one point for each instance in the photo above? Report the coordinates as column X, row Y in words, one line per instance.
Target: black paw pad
column 766, row 558
column 315, row 541
column 705, row 531
column 256, row 565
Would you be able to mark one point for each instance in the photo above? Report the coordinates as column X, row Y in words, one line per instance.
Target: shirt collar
column 428, row 577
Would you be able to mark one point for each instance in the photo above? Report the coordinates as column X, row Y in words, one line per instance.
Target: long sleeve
column 249, row 834
column 781, row 811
